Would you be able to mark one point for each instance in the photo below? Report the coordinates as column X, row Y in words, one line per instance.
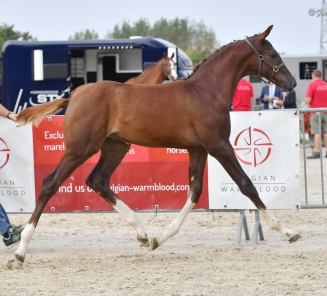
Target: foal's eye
column 274, row 55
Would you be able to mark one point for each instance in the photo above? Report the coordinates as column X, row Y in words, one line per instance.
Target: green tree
column 177, row 31
column 197, row 56
column 203, row 42
column 140, row 28
column 84, row 35
column 195, row 38
column 8, row 33
column 121, row 32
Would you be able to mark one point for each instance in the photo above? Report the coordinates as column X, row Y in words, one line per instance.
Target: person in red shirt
column 243, row 96
column 316, row 97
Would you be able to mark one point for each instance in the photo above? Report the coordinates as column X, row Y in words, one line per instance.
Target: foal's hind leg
column 112, row 153
column 198, row 159
column 51, row 183
column 226, row 156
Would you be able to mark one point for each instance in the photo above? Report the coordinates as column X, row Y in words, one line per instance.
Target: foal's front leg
column 51, row 183
column 196, row 169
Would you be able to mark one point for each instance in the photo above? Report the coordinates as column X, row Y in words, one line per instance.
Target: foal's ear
column 266, row 33
column 172, row 55
column 164, row 55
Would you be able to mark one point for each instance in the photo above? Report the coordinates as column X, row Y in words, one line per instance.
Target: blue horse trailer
column 34, row 73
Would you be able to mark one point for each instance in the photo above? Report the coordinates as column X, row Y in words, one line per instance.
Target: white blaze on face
column 173, row 72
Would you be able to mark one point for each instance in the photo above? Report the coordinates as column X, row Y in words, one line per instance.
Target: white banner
column 266, row 144
column 17, row 185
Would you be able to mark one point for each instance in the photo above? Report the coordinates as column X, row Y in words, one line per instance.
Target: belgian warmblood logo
column 252, row 146
column 4, row 153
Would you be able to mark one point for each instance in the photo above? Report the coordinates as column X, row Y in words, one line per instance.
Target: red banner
column 146, row 178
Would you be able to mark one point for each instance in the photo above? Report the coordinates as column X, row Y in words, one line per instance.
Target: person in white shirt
column 270, row 95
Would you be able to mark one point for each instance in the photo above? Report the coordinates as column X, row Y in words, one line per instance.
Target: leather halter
column 261, row 58
column 165, row 69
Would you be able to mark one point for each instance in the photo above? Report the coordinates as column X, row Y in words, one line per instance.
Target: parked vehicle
column 38, row 72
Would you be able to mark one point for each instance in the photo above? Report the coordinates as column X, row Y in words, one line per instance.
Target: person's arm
column 309, row 94
column 290, row 99
column 4, row 112
column 280, row 93
column 308, row 100
column 251, row 97
column 263, row 99
column 281, row 103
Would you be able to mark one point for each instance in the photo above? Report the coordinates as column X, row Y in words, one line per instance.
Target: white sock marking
column 26, row 237
column 174, row 226
column 274, row 223
column 130, row 217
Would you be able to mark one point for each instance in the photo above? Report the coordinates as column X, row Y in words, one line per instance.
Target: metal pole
column 304, row 159
column 257, row 228
column 321, row 164
column 242, row 223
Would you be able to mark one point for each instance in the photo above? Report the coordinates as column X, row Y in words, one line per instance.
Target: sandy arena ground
column 97, row 254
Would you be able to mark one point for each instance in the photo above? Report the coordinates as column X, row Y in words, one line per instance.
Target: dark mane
column 152, row 66
column 217, row 50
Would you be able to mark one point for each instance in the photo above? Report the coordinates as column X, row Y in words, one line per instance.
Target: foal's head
column 268, row 63
column 169, row 66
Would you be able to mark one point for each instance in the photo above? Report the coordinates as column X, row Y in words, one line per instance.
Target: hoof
column 19, row 258
column 144, row 241
column 294, row 238
column 153, row 244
